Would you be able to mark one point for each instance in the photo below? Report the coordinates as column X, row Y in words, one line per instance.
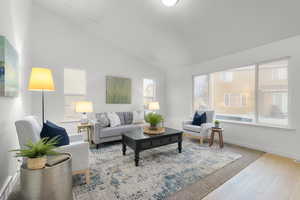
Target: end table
column 86, row 127
column 219, row 131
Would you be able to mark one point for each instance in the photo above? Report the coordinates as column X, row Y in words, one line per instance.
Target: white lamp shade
column 169, row 3
column 84, row 107
column 41, row 79
column 154, row 105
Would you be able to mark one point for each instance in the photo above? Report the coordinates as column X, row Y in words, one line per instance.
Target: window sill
column 259, row 125
column 70, row 121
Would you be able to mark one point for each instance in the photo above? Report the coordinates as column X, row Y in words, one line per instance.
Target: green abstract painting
column 9, row 81
column 118, row 90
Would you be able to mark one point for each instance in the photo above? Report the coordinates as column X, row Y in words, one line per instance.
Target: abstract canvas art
column 118, row 90
column 9, row 82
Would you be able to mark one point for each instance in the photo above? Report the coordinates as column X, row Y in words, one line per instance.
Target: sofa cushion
column 128, row 117
column 102, row 119
column 114, row 119
column 117, row 131
column 121, row 116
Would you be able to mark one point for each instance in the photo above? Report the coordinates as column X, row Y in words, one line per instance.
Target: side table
column 219, row 131
column 86, row 127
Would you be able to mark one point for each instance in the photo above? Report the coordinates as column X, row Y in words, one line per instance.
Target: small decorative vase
column 36, row 163
column 153, row 127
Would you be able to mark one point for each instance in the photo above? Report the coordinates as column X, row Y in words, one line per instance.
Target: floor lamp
column 41, row 80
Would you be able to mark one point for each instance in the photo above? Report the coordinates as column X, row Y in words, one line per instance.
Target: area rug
column 161, row 172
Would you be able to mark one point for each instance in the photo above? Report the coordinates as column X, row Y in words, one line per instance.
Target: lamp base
column 84, row 119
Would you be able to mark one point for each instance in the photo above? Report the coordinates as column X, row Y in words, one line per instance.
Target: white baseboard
column 8, row 187
column 267, row 150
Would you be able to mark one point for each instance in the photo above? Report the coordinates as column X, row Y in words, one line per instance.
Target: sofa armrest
column 187, row 122
column 80, row 154
column 96, row 132
column 207, row 125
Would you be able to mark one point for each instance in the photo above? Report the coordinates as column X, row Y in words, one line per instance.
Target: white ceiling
column 191, row 32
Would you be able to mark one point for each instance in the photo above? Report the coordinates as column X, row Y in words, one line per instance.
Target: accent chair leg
column 87, row 176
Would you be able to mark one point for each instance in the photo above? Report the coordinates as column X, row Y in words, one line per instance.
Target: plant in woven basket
column 37, row 152
column 154, row 119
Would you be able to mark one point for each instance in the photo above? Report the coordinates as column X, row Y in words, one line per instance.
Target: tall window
column 149, row 91
column 74, row 91
column 255, row 94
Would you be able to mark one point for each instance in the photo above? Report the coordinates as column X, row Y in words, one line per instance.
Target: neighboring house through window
column 149, row 91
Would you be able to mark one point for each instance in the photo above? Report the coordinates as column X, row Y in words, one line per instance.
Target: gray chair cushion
column 102, row 119
column 192, row 128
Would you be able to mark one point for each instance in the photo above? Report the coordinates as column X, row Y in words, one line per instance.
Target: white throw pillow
column 138, row 117
column 113, row 119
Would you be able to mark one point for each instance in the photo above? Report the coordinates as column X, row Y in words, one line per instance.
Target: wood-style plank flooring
column 270, row 177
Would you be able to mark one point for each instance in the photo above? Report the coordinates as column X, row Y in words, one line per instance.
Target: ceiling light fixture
column 169, row 3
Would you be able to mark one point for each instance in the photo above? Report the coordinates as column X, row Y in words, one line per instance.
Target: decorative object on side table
column 217, row 123
column 219, row 131
column 86, row 127
column 36, row 153
column 153, row 119
column 41, row 80
column 84, row 107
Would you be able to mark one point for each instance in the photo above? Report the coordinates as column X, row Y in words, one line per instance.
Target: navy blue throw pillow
column 199, row 118
column 51, row 130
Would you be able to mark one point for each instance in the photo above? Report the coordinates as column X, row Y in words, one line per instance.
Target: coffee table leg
column 137, row 158
column 124, row 149
column 179, row 146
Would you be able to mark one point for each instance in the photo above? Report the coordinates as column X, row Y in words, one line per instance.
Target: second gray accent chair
column 104, row 133
column 199, row 132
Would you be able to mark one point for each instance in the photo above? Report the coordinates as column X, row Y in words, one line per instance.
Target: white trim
column 258, row 125
column 8, row 186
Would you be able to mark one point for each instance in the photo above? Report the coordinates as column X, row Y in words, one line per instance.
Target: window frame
column 256, row 91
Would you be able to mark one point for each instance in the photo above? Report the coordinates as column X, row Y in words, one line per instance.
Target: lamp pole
column 43, row 107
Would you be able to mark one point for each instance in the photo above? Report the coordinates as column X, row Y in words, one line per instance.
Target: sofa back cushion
column 102, row 119
column 125, row 117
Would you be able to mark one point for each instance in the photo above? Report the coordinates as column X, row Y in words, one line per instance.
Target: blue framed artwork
column 9, row 73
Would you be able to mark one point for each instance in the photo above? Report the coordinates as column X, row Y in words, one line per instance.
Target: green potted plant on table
column 217, row 123
column 153, row 119
column 36, row 153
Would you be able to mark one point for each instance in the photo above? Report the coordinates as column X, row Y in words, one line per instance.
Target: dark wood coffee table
column 139, row 141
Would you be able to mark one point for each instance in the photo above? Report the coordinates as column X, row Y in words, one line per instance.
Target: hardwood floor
column 270, row 177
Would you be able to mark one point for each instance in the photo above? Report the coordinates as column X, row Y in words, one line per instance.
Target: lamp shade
column 41, row 79
column 154, row 105
column 84, row 107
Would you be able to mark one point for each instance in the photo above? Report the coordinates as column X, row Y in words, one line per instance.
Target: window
column 149, row 91
column 235, row 98
column 74, row 91
column 273, row 93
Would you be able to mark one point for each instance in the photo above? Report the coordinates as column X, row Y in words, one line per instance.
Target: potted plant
column 36, row 153
column 217, row 123
column 153, row 119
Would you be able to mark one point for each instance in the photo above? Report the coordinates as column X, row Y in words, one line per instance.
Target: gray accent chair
column 199, row 132
column 102, row 134
column 29, row 129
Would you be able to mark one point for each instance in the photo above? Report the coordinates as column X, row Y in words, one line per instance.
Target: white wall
column 58, row 44
column 279, row 141
column 14, row 16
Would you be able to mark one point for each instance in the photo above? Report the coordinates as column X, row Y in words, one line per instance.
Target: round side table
column 219, row 131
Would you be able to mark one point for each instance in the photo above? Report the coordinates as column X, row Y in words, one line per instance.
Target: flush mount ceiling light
column 169, row 3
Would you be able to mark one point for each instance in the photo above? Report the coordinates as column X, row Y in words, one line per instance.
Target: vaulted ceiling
column 191, row 32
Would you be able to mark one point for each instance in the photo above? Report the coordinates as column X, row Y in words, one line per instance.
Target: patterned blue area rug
column 162, row 171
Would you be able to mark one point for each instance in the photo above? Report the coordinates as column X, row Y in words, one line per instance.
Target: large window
column 149, row 91
column 74, row 91
column 255, row 94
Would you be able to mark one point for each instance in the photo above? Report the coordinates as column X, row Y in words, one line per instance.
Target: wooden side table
column 212, row 136
column 86, row 127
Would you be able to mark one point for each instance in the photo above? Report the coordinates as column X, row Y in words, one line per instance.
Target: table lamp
column 154, row 106
column 41, row 80
column 84, row 107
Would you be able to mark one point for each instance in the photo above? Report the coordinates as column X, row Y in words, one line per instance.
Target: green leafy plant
column 39, row 149
column 153, row 119
column 217, row 122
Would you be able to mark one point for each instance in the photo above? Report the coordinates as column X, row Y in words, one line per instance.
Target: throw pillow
column 51, row 130
column 138, row 117
column 102, row 119
column 113, row 119
column 199, row 118
column 121, row 116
